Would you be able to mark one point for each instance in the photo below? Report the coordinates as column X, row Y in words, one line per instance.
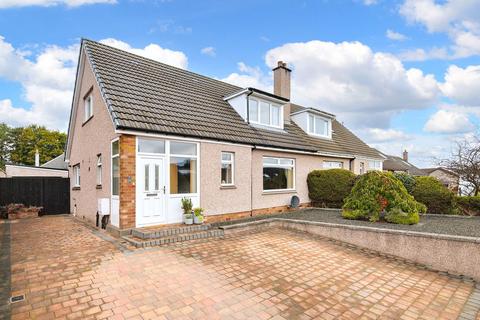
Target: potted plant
column 198, row 216
column 187, row 210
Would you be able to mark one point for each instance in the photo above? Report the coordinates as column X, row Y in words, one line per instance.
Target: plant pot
column 198, row 219
column 188, row 219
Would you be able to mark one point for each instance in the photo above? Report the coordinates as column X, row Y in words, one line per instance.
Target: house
column 450, row 179
column 56, row 167
column 401, row 164
column 143, row 134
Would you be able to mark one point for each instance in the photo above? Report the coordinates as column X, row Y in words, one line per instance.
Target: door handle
column 164, row 189
column 152, row 194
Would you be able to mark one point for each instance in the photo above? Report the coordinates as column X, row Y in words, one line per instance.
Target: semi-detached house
column 144, row 134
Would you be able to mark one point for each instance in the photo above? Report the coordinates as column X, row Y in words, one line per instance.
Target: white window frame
column 99, row 170
column 112, row 156
column 232, row 162
column 331, row 162
column 278, row 165
column 377, row 165
column 76, row 175
column 312, row 132
column 271, row 105
column 196, row 157
column 88, row 109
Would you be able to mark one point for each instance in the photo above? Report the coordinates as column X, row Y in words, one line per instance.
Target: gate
column 51, row 193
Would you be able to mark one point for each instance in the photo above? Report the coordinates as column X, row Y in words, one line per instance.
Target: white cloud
column 209, row 51
column 463, row 85
column 249, row 77
column 49, row 3
column 370, row 2
column 48, row 80
column 458, row 19
column 392, row 35
column 448, row 121
column 152, row 51
column 366, row 88
column 382, row 135
column 422, row 55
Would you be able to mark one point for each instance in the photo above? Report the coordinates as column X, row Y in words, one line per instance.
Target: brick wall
column 127, row 181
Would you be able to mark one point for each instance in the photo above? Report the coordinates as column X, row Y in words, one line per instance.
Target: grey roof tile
column 146, row 95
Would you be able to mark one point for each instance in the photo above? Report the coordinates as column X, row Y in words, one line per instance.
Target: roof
column 394, row 163
column 149, row 96
column 430, row 170
column 56, row 163
column 34, row 167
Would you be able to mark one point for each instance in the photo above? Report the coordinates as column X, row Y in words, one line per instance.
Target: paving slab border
column 5, row 270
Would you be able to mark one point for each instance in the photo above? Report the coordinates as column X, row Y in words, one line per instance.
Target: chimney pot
column 37, row 158
column 405, row 155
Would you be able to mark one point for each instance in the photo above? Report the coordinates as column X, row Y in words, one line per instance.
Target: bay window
column 278, row 174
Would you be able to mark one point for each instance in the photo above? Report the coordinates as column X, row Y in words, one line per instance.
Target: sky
column 400, row 74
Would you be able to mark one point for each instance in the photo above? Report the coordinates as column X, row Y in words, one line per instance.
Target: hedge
column 469, row 205
column 407, row 180
column 433, row 194
column 376, row 193
column 328, row 188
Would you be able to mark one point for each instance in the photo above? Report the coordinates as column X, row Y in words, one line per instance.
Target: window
column 227, row 168
column 332, row 164
column 318, row 126
column 265, row 113
column 151, row 146
column 88, row 107
column 362, row 167
column 374, row 165
column 115, row 168
column 183, row 167
column 278, row 174
column 76, row 175
column 99, row 170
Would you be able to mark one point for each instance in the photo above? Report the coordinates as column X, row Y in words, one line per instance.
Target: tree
column 23, row 143
column 465, row 161
column 4, row 144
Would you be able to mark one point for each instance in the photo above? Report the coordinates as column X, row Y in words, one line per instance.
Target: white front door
column 150, row 191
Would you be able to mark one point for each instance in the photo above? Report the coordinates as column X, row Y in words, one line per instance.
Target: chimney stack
column 281, row 86
column 37, row 158
column 405, row 155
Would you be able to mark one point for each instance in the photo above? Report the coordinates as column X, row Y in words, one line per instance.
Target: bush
column 468, row 205
column 407, row 180
column 433, row 194
column 328, row 188
column 376, row 192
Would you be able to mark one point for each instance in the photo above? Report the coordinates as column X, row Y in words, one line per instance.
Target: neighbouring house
column 144, row 134
column 450, row 179
column 401, row 164
column 57, row 167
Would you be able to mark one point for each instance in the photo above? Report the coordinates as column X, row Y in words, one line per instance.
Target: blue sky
column 400, row 74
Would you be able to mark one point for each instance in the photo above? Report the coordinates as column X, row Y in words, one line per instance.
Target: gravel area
column 460, row 226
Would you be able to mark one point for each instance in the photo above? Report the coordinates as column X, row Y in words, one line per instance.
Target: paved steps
column 141, row 238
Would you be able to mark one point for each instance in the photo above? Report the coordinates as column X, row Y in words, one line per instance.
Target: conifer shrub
column 328, row 188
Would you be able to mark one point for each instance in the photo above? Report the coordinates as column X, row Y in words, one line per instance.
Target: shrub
column 433, row 194
column 376, row 192
column 469, row 205
column 407, row 180
column 328, row 188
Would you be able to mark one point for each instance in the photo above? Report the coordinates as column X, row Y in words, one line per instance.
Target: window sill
column 88, row 120
column 99, row 186
column 226, row 187
column 267, row 192
column 75, row 188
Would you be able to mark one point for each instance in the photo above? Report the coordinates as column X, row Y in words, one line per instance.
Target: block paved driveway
column 68, row 271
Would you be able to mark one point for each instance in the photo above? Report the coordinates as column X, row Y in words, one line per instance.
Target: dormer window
column 265, row 113
column 319, row 126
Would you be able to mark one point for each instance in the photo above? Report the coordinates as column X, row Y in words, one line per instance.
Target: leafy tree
column 25, row 141
column 4, row 144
